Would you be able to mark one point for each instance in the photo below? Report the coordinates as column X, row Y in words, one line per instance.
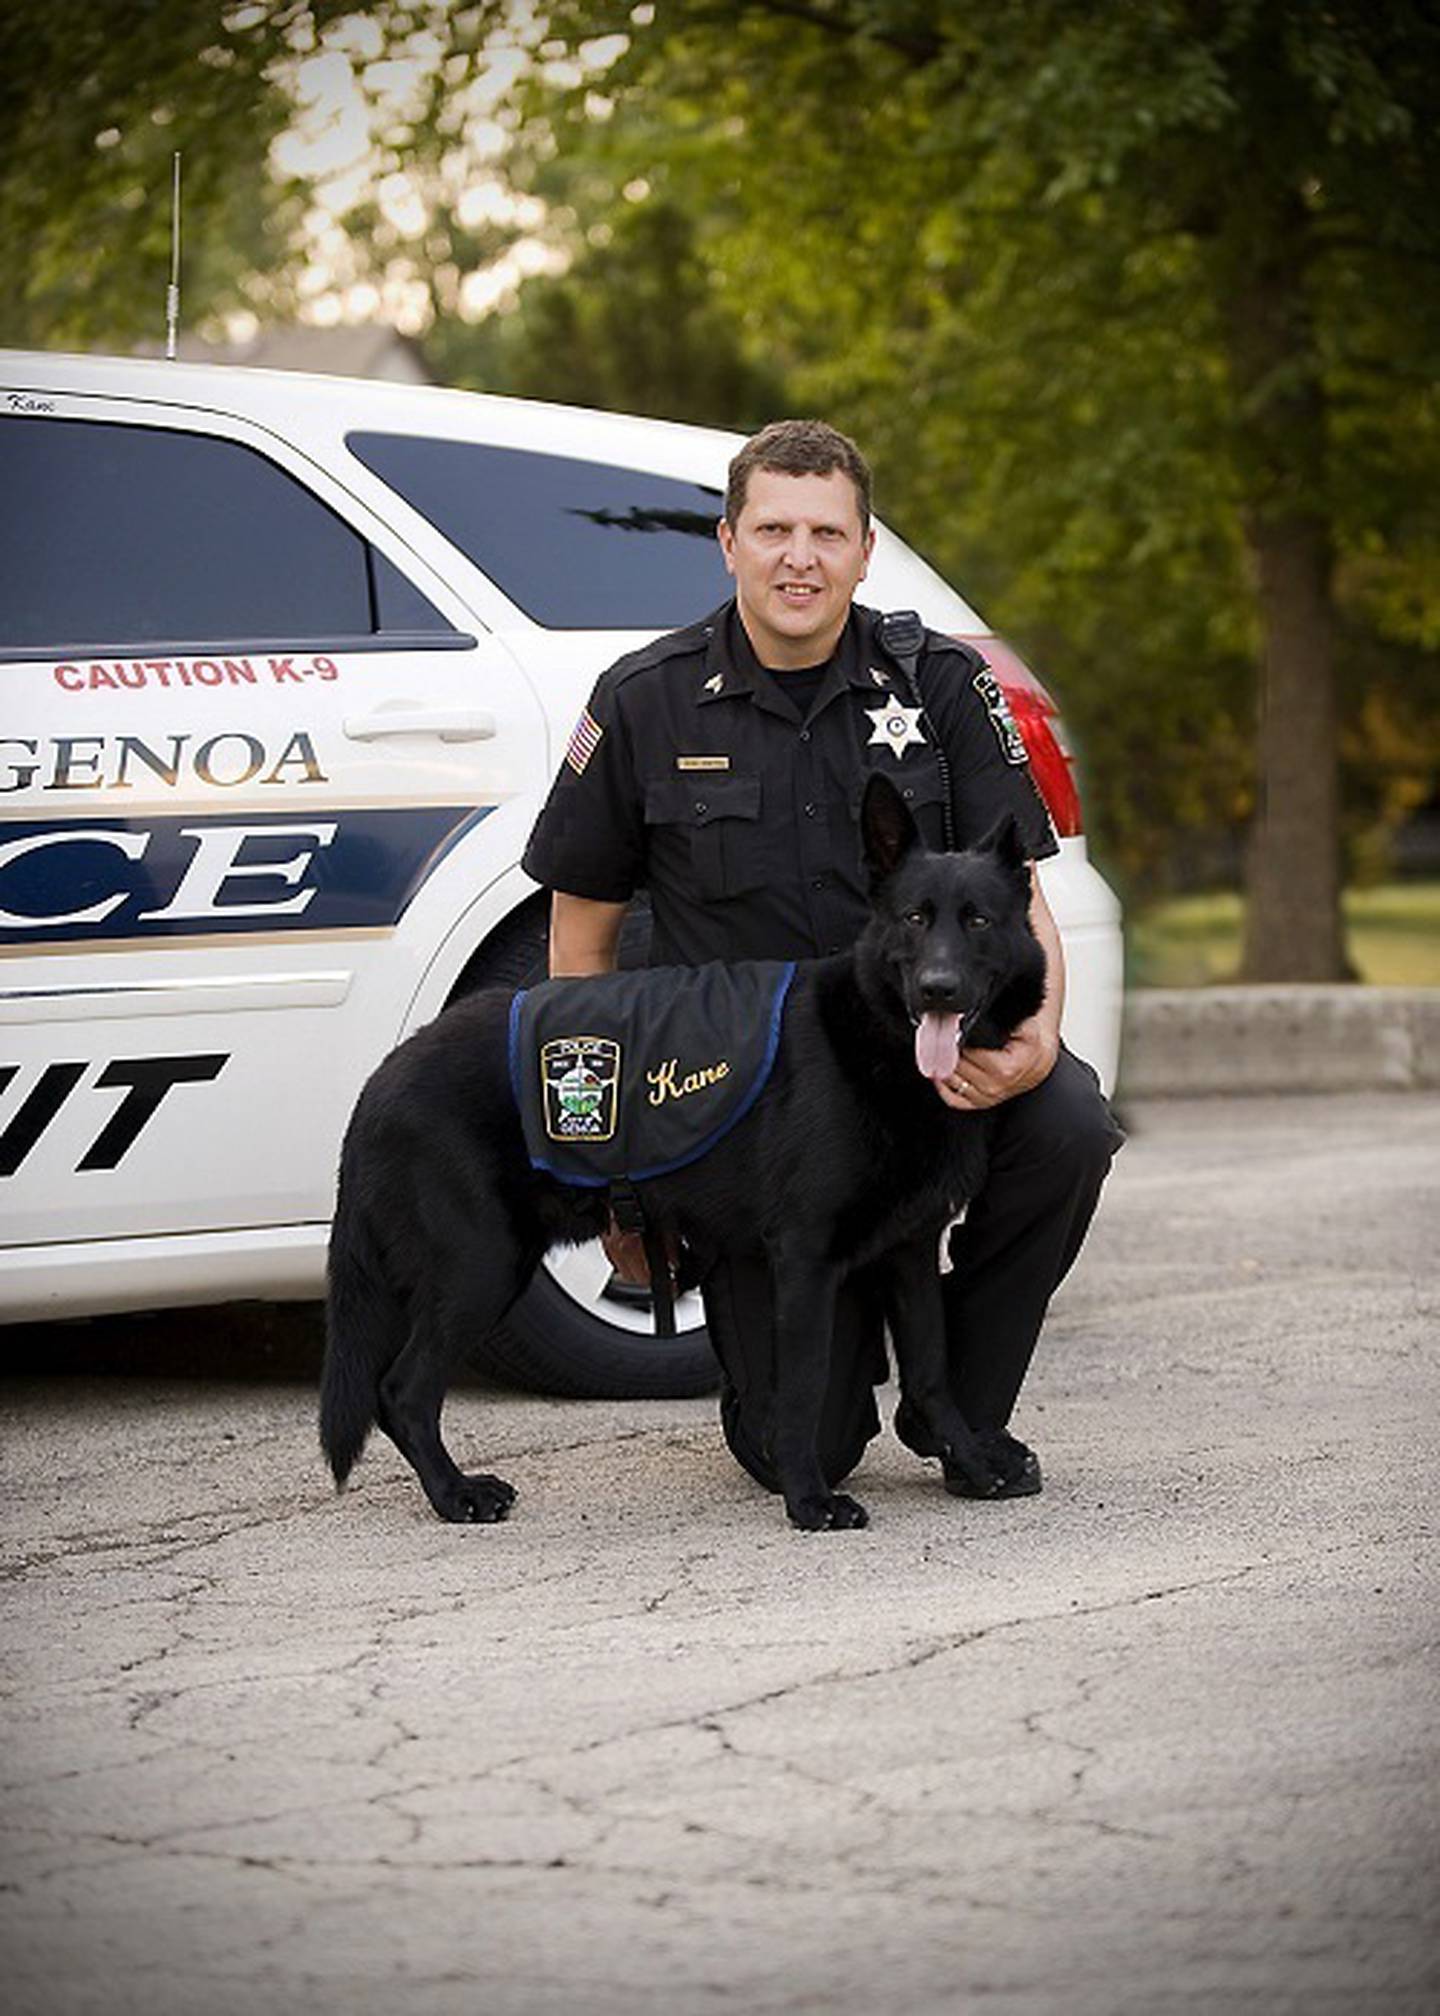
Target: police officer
column 722, row 768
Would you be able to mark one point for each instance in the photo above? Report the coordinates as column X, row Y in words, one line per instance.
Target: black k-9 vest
column 625, row 1076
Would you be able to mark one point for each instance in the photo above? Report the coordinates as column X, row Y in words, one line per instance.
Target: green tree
column 95, row 98
column 1138, row 308
column 634, row 325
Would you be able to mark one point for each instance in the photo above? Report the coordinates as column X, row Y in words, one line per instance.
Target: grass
column 1393, row 933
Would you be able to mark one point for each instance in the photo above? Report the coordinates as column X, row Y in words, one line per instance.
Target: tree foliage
column 95, row 97
column 633, row 325
column 1137, row 309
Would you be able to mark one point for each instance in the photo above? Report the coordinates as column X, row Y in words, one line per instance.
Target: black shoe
column 1016, row 1467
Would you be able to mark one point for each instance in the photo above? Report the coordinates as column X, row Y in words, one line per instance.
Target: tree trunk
column 1293, row 928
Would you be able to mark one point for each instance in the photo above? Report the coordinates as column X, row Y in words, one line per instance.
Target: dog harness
column 620, row 1077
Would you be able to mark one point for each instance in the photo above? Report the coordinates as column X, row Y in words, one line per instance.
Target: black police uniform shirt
column 692, row 774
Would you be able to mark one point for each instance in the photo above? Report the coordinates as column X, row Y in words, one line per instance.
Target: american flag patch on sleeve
column 584, row 742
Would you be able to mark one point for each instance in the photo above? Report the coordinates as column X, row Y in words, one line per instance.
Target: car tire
column 575, row 1332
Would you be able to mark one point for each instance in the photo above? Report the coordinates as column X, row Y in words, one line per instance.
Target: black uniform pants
column 1050, row 1153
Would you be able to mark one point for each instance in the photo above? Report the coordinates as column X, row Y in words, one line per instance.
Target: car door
column 254, row 758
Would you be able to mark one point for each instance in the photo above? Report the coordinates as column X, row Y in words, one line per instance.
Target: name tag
column 702, row 762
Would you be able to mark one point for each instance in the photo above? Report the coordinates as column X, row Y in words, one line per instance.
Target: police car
column 288, row 664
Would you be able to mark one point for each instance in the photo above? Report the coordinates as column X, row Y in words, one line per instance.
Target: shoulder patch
column 992, row 695
column 584, row 741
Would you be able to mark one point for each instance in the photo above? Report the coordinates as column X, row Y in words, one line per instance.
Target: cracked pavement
column 1161, row 1740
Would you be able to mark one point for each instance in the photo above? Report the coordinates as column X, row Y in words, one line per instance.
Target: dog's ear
column 887, row 830
column 1004, row 842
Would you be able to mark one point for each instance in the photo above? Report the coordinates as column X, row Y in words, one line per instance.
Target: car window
column 398, row 603
column 119, row 535
column 576, row 545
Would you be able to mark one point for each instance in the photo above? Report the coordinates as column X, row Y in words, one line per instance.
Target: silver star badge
column 895, row 728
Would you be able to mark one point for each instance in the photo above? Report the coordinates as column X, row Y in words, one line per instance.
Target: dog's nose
column 939, row 990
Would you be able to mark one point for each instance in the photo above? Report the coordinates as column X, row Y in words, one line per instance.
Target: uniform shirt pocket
column 717, row 817
column 918, row 782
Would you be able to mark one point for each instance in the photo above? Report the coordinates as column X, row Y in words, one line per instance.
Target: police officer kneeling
column 722, row 768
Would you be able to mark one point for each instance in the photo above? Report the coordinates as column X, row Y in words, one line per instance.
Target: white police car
column 288, row 664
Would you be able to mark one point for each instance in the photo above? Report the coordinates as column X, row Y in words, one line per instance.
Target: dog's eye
column 916, row 917
column 975, row 922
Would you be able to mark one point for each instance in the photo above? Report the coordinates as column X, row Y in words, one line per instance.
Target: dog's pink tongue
column 937, row 1042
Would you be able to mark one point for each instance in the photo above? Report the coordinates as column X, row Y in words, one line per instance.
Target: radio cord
column 902, row 636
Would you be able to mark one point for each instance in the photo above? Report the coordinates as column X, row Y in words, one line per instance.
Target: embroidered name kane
column 665, row 1081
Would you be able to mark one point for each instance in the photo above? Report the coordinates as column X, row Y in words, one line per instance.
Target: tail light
column 1038, row 719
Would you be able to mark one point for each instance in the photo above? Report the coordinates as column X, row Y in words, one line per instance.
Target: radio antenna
column 172, row 292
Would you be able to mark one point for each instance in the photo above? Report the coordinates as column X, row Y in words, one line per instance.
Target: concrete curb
column 1180, row 1041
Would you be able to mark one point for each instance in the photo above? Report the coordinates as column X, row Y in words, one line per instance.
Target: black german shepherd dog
column 848, row 1155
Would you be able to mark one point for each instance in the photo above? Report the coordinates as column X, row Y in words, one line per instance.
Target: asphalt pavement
column 1160, row 1740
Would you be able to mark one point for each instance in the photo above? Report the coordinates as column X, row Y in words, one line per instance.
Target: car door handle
column 464, row 724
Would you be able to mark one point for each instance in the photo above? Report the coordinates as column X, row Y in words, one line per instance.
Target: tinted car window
column 399, row 605
column 577, row 545
column 144, row 535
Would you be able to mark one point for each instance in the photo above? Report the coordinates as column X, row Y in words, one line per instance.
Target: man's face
column 797, row 554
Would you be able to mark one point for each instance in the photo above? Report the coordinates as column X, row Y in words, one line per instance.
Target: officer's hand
column 988, row 1077
column 626, row 1253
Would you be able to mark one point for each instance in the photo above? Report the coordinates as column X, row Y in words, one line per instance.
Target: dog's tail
column 364, row 1333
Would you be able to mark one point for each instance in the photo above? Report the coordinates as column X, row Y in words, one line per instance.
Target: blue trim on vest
column 577, row 1182
column 752, row 1093
column 513, row 1045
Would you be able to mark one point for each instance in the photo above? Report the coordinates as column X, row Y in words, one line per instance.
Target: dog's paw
column 828, row 1514
column 478, row 1501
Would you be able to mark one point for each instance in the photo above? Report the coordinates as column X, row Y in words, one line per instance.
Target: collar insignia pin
column 714, row 685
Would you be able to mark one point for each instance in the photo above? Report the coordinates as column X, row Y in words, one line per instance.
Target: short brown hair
column 798, row 448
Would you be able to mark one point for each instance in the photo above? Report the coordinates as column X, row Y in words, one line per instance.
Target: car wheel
column 577, row 1331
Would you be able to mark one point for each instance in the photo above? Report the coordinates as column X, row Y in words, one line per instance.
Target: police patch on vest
column 580, row 1076
column 634, row 1074
column 1012, row 742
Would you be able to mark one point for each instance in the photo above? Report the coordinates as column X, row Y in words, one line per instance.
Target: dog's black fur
column 848, row 1155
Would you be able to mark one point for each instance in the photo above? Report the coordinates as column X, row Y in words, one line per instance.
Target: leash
column 631, row 1216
